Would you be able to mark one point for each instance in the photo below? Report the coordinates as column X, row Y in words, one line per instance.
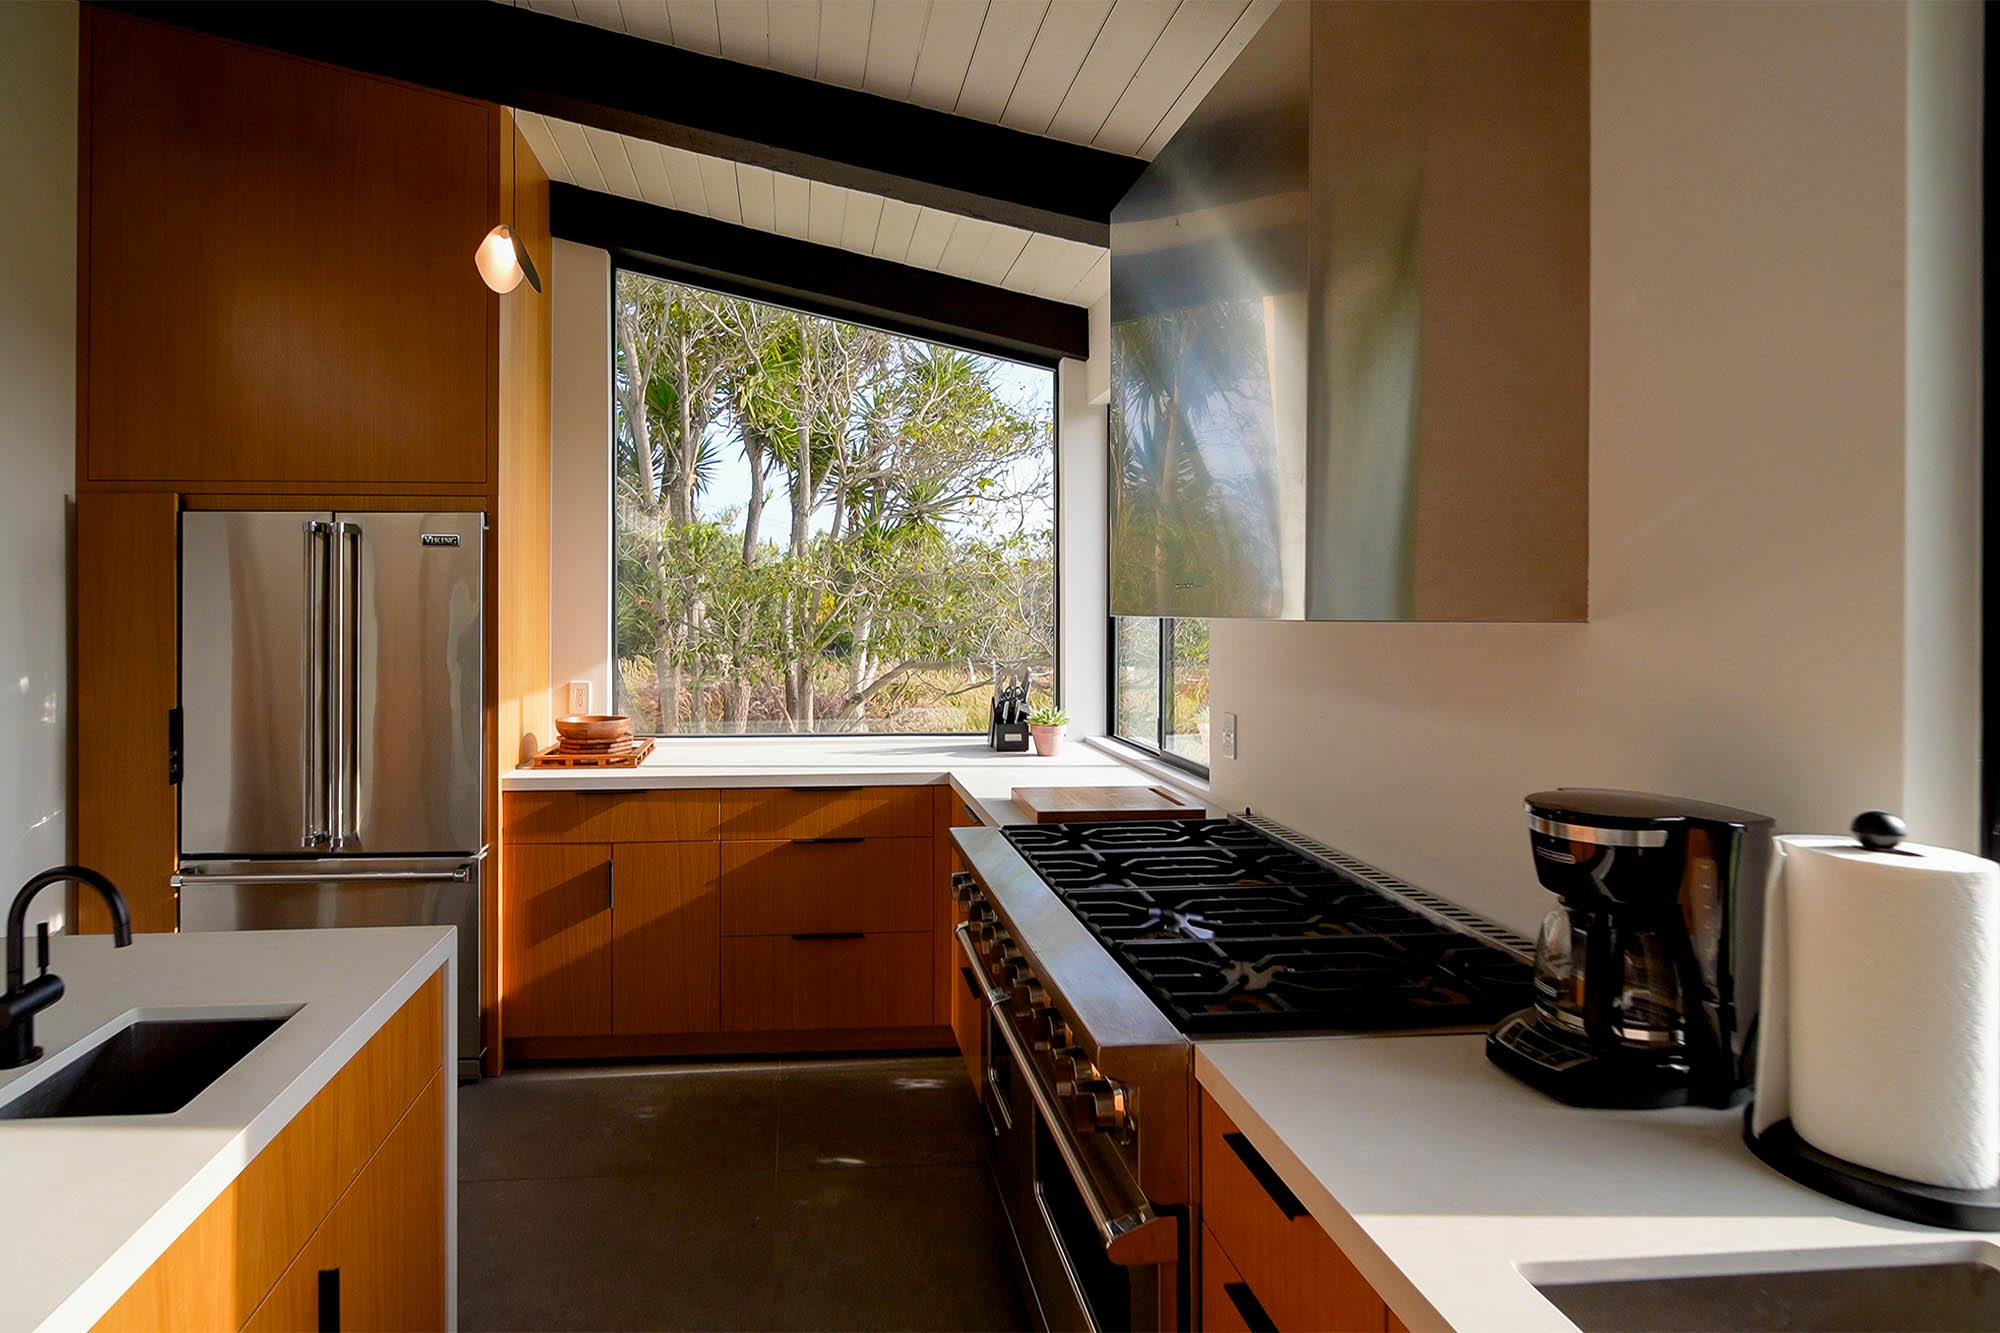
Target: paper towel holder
column 1879, row 831
column 1781, row 1149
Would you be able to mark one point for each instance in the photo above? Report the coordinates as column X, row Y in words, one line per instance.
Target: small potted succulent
column 1046, row 726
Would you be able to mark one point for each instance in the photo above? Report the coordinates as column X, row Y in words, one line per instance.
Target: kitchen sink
column 151, row 1066
column 1904, row 1288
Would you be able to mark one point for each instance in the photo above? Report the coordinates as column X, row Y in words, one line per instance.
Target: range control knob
column 1028, row 996
column 1070, row 1066
column 963, row 886
column 978, row 913
column 1046, row 1028
column 1098, row 1104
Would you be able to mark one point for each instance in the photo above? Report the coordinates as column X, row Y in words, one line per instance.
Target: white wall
column 38, row 45
column 1761, row 487
column 1082, row 475
column 580, row 476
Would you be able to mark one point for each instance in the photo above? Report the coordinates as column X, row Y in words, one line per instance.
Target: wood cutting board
column 1070, row 805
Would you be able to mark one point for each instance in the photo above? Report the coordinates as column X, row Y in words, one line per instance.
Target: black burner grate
column 1231, row 932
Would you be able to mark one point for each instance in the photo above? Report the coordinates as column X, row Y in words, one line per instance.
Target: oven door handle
column 963, row 933
column 1139, row 1236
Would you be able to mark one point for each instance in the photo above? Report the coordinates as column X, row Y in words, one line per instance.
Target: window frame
column 1157, row 749
column 621, row 262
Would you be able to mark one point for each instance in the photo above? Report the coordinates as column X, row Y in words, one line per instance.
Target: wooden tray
column 562, row 756
column 1070, row 805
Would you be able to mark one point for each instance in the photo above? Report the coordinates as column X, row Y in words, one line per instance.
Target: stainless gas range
column 1093, row 955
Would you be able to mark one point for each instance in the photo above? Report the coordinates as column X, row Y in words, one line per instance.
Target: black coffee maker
column 1646, row 971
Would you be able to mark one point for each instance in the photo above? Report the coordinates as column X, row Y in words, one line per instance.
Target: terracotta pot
column 1048, row 740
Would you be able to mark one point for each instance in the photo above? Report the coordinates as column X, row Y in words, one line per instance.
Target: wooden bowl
column 594, row 727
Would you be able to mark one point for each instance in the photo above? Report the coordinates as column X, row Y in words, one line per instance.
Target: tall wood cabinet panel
column 555, row 946
column 278, row 285
column 949, row 811
column 127, row 637
column 666, row 938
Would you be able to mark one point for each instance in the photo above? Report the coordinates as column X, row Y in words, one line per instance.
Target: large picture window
column 1159, row 686
column 820, row 527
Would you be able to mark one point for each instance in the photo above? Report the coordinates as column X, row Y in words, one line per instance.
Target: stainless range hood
column 1350, row 325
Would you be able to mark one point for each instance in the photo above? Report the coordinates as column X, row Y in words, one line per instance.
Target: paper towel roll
column 1881, row 1023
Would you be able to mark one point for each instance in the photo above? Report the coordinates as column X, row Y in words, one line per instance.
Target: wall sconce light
column 501, row 258
column 503, row 261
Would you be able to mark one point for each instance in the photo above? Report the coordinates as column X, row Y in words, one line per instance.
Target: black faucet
column 24, row 999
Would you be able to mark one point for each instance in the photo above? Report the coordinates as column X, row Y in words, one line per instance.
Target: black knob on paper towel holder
column 1878, row 830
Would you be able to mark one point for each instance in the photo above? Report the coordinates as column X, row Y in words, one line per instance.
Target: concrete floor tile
column 878, row 1113
column 617, row 1120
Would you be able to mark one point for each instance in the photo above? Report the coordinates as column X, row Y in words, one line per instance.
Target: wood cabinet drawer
column 672, row 815
column 383, row 1244
column 864, row 884
column 826, row 812
column 775, row 983
column 1227, row 1303
column 1292, row 1267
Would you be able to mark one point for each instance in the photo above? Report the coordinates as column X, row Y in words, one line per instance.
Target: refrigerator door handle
column 316, row 833
column 332, row 875
column 347, row 679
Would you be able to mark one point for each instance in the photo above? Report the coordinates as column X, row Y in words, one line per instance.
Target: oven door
column 1090, row 1245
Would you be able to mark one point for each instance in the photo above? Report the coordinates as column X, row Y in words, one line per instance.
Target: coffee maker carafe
column 1646, row 970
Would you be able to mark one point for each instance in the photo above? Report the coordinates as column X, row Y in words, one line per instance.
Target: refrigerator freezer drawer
column 295, row 895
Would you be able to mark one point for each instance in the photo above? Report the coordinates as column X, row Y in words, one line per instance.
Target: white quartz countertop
column 1443, row 1179
column 91, row 1203
column 984, row 778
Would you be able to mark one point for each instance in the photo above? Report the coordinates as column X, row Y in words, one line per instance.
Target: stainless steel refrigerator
column 333, row 724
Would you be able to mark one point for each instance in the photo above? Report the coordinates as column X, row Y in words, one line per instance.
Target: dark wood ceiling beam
column 821, row 278
column 649, row 90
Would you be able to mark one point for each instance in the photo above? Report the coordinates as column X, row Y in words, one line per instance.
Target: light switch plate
column 1225, row 739
column 579, row 698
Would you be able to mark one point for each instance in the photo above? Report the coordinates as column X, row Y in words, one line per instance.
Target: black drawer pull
column 821, row 842
column 828, row 935
column 1248, row 1306
column 329, row 1300
column 1253, row 1161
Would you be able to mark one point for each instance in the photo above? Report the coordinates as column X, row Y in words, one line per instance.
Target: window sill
column 1149, row 763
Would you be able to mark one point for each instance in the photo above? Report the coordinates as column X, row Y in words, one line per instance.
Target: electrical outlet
column 1225, row 739
column 579, row 698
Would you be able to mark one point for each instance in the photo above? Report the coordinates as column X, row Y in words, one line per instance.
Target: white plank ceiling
column 869, row 224
column 1120, row 75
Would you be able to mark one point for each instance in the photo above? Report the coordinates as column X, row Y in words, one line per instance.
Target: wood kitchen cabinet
column 278, row 283
column 773, row 983
column 602, row 938
column 555, row 945
column 697, row 921
column 377, row 1263
column 961, row 995
column 948, row 811
column 1265, row 1262
column 354, row 1184
column 665, row 924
